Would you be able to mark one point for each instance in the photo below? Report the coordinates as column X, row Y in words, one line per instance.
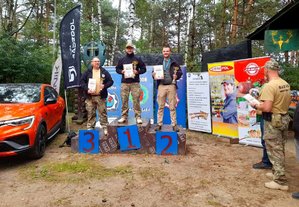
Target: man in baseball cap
column 130, row 84
column 274, row 103
column 272, row 65
column 229, row 110
column 228, row 81
column 129, row 45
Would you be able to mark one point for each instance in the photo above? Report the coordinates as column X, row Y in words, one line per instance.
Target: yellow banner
column 223, row 99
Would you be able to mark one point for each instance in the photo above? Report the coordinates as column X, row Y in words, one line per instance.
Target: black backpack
column 68, row 139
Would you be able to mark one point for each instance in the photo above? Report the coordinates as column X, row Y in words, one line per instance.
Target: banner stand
column 67, row 113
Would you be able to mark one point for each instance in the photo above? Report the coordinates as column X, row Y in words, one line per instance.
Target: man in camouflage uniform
column 296, row 136
column 130, row 84
column 96, row 97
column 275, row 100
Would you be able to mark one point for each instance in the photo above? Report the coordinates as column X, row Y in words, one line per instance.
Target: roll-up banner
column 198, row 99
column 249, row 74
column 223, row 99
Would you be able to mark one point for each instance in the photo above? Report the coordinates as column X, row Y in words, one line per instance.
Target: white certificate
column 159, row 72
column 92, row 83
column 251, row 99
column 129, row 73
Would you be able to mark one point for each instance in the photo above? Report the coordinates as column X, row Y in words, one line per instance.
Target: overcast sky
column 124, row 4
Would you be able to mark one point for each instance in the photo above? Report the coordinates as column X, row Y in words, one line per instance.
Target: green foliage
column 291, row 74
column 24, row 61
column 77, row 171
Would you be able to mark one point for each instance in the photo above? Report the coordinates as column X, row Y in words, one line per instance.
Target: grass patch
column 214, row 203
column 62, row 202
column 73, row 171
column 152, row 173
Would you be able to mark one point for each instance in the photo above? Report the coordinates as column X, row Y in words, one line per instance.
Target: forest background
column 29, row 31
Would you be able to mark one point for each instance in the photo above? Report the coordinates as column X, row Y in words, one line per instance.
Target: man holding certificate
column 274, row 103
column 166, row 81
column 130, row 67
column 95, row 82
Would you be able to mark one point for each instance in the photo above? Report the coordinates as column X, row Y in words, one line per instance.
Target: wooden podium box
column 147, row 137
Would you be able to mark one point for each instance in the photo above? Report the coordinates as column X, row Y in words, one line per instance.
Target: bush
column 291, row 74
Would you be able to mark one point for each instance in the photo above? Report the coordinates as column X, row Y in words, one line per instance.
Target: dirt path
column 213, row 173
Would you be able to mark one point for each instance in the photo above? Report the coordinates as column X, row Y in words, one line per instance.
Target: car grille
column 5, row 147
column 21, row 140
column 17, row 143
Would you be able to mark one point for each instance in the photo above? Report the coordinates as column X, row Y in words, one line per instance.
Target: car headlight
column 19, row 122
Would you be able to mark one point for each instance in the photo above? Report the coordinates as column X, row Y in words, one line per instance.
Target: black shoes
column 295, row 195
column 158, row 128
column 261, row 165
column 175, row 128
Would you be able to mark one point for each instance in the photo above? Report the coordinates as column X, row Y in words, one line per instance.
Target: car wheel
column 63, row 124
column 39, row 147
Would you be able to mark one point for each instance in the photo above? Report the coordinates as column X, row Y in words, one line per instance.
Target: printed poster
column 223, row 99
column 249, row 74
column 198, row 99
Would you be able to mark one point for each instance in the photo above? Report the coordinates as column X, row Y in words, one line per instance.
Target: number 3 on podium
column 128, row 137
column 166, row 143
column 89, row 141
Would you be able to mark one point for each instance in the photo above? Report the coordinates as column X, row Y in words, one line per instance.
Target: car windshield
column 19, row 93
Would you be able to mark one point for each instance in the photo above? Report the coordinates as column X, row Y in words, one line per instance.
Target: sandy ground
column 213, row 173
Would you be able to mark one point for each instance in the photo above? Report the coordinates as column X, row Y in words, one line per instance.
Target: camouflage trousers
column 92, row 104
column 169, row 92
column 134, row 89
column 275, row 139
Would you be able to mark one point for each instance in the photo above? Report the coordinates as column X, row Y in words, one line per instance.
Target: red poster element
column 250, row 69
column 221, row 68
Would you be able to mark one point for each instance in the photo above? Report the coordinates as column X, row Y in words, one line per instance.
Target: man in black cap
column 130, row 67
column 229, row 110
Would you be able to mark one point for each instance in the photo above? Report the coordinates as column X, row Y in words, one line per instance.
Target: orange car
column 30, row 114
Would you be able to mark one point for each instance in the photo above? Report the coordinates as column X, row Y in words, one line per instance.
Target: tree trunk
column 193, row 30
column 222, row 30
column 10, row 16
column 47, row 19
column 116, row 32
column 248, row 8
column 131, row 19
column 286, row 56
column 1, row 21
column 179, row 26
column 190, row 12
column 100, row 25
column 151, row 35
column 234, row 23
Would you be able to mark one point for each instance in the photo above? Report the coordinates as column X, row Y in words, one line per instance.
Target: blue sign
column 166, row 143
column 128, row 138
column 89, row 141
column 114, row 102
column 181, row 109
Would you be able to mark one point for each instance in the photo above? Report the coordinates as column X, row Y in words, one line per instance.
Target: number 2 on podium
column 166, row 143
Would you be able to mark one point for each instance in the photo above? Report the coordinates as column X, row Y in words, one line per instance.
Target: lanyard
column 166, row 64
